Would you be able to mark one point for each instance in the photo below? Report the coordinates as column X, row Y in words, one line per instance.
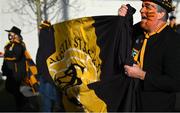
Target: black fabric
column 177, row 104
column 114, row 35
column 114, row 39
column 14, row 68
column 161, row 62
column 45, row 49
column 5, row 70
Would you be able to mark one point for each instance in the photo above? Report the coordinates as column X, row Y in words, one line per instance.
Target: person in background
column 14, row 65
column 51, row 97
column 172, row 22
column 156, row 52
column 16, row 70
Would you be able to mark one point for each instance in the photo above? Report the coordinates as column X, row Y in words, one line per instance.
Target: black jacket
column 162, row 66
column 14, row 65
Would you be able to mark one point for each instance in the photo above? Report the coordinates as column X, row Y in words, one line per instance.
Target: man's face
column 149, row 15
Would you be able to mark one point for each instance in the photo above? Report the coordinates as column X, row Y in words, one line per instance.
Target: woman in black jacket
column 14, row 65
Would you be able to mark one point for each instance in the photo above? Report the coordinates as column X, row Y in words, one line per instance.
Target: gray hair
column 161, row 9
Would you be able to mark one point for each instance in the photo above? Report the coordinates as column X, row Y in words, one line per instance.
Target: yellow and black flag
column 85, row 59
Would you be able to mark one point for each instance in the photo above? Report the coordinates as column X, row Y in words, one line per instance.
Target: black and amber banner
column 85, row 60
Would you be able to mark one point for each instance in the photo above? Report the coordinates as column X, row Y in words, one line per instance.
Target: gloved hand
column 45, row 24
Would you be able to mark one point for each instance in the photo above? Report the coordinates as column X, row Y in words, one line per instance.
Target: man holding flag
column 156, row 51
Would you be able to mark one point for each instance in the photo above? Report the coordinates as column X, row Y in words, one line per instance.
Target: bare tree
column 32, row 12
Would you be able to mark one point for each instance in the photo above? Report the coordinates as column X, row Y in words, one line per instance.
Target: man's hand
column 122, row 10
column 134, row 71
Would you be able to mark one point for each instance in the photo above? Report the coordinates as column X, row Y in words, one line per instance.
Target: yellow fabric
column 30, row 82
column 30, row 69
column 136, row 55
column 147, row 36
column 27, row 55
column 87, row 97
column 77, row 52
column 46, row 24
column 11, row 59
column 33, row 81
column 143, row 50
column 33, row 69
column 26, row 66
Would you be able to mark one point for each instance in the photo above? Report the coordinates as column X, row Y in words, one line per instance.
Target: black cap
column 15, row 30
column 166, row 4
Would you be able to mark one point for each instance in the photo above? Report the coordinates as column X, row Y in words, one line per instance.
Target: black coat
column 162, row 66
column 14, row 66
